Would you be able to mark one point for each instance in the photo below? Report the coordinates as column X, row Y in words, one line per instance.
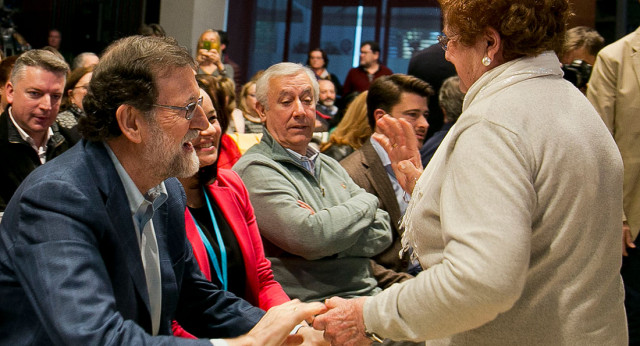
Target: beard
column 168, row 159
column 327, row 102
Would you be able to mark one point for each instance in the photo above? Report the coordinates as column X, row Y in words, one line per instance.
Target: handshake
column 337, row 322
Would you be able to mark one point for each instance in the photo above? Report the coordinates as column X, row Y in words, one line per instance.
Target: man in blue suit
column 92, row 244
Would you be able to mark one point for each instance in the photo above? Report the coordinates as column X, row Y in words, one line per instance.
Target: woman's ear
column 129, row 120
column 494, row 45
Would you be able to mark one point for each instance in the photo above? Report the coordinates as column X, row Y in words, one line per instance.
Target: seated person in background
column 326, row 103
column 317, row 61
column 352, row 131
column 5, row 72
column 103, row 257
column 450, row 100
column 402, row 97
column 209, row 55
column 85, row 59
column 222, row 229
column 252, row 122
column 230, row 105
column 228, row 151
column 319, row 227
column 29, row 135
column 71, row 108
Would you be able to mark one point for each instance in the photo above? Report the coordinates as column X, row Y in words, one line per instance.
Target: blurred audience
column 450, row 100
column 431, row 66
column 85, row 59
column 327, row 104
column 352, row 131
column 252, row 122
column 317, row 61
column 71, row 107
column 359, row 78
column 209, row 55
column 5, row 72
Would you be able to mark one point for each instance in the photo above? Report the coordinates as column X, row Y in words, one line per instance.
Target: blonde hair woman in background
column 352, row 131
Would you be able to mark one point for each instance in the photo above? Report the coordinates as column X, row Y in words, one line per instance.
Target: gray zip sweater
column 314, row 255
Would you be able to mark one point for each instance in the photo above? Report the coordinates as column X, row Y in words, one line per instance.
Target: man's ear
column 261, row 112
column 129, row 120
column 378, row 113
column 9, row 90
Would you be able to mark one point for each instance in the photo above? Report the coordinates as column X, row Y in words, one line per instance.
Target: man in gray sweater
column 319, row 228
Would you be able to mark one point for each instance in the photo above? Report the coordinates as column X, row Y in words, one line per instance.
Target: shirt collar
column 308, row 161
column 384, row 157
column 25, row 136
column 139, row 203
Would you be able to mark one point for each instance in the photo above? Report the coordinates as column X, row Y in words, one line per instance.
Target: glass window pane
column 300, row 31
column 338, row 35
column 269, row 35
column 410, row 30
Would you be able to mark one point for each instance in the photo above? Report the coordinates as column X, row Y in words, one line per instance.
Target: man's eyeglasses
column 444, row 41
column 189, row 109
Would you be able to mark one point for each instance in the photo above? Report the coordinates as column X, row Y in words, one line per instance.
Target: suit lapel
column 117, row 205
column 379, row 180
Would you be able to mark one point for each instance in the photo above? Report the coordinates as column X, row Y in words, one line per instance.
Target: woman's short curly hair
column 526, row 27
column 126, row 74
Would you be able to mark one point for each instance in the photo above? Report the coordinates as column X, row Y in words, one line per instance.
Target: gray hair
column 43, row 59
column 279, row 70
column 451, row 98
column 79, row 60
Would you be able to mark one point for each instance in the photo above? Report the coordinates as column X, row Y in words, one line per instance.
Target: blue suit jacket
column 71, row 271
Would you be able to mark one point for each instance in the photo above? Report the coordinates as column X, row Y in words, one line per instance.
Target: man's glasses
column 189, row 109
column 444, row 41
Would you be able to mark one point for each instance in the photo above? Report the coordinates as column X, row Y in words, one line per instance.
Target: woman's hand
column 399, row 141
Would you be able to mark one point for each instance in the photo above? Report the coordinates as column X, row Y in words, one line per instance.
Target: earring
column 486, row 61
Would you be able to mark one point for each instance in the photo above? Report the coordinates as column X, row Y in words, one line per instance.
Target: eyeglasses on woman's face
column 443, row 40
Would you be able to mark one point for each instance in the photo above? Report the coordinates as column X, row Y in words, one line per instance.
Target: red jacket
column 229, row 152
column 233, row 199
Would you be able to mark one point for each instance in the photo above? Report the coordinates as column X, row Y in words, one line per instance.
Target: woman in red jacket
column 221, row 226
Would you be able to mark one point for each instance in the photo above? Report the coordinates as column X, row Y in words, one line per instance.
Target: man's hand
column 274, row 327
column 343, row 324
column 627, row 241
column 399, row 141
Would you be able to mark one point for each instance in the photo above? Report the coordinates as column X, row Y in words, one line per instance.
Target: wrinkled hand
column 627, row 241
column 274, row 327
column 398, row 139
column 343, row 324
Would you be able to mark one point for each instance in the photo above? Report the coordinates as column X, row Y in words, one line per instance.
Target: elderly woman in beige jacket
column 516, row 218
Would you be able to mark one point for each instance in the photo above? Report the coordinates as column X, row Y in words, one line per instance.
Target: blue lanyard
column 222, row 274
